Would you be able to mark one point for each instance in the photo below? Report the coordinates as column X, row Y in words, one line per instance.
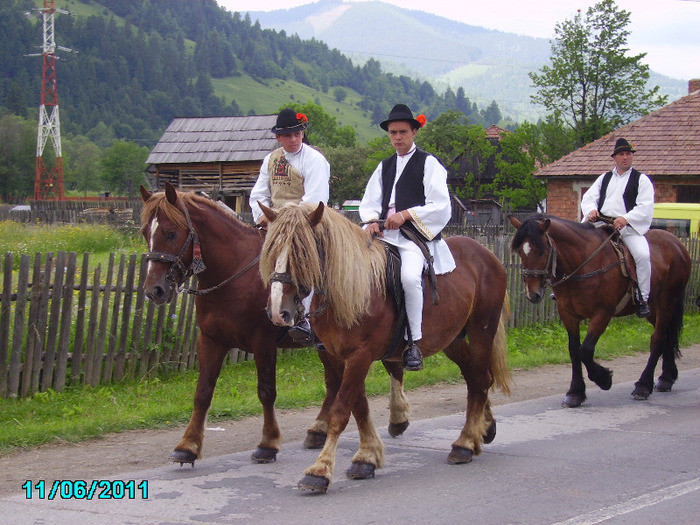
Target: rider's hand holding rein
column 395, row 220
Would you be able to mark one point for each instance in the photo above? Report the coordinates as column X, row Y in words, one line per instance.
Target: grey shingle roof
column 215, row 139
column 667, row 142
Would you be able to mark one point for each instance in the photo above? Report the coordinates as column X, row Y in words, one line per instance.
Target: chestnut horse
column 186, row 234
column 584, row 270
column 309, row 247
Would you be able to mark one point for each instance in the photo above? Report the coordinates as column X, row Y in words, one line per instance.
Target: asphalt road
column 614, row 460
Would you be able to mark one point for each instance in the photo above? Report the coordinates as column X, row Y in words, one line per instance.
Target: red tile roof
column 667, row 142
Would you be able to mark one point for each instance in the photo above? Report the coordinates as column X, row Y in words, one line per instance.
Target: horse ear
column 268, row 212
column 145, row 194
column 170, row 193
column 316, row 215
column 514, row 221
column 544, row 225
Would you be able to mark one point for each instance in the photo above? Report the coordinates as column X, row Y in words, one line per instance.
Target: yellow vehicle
column 680, row 218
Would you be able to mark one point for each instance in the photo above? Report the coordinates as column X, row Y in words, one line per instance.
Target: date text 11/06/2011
column 81, row 489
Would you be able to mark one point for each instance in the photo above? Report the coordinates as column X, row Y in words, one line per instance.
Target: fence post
column 66, row 299
column 5, row 310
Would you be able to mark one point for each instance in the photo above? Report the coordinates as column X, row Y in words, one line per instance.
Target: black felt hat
column 289, row 121
column 400, row 112
column 622, row 145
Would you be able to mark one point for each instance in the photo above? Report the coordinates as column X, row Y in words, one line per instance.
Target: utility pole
column 48, row 181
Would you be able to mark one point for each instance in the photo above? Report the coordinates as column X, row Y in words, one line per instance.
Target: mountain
column 488, row 64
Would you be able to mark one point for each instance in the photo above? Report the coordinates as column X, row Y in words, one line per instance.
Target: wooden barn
column 218, row 155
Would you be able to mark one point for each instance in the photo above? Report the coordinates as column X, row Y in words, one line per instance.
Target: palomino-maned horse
column 309, row 247
column 187, row 233
column 578, row 261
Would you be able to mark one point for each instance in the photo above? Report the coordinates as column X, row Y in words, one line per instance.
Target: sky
column 667, row 30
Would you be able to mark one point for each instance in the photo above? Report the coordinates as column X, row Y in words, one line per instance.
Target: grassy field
column 81, row 413
column 98, row 240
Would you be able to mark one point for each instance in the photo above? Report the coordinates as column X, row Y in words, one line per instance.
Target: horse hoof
column 314, row 484
column 396, row 429
column 264, row 455
column 490, row 432
column 641, row 392
column 183, row 456
column 663, row 385
column 606, row 381
column 459, row 455
column 314, row 439
column 360, row 470
column 572, row 401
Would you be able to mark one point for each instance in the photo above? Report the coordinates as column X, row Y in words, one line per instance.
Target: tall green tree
column 592, row 84
column 122, row 167
column 452, row 139
column 17, row 158
column 520, row 153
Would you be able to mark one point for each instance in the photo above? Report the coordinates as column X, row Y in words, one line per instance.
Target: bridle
column 197, row 265
column 549, row 272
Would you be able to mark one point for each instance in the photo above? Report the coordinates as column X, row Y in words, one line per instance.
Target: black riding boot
column 412, row 358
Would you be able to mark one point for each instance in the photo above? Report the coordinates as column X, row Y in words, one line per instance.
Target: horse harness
column 197, row 265
column 549, row 272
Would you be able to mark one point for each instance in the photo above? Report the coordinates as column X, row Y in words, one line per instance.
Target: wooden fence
column 63, row 323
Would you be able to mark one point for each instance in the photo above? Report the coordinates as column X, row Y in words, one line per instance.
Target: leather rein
column 196, row 266
column 549, row 272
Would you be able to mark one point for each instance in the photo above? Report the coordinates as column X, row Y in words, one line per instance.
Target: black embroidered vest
column 409, row 188
column 630, row 194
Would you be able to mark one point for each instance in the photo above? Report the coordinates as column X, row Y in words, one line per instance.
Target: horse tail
column 499, row 367
column 675, row 326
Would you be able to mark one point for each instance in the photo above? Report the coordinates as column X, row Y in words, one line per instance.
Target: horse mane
column 530, row 230
column 159, row 203
column 336, row 258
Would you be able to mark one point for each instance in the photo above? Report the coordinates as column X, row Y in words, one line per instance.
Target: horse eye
column 170, row 236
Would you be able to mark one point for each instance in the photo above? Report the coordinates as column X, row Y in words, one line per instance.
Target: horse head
column 173, row 249
column 537, row 253
column 290, row 260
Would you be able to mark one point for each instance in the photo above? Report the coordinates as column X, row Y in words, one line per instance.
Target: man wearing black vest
column 627, row 195
column 410, row 187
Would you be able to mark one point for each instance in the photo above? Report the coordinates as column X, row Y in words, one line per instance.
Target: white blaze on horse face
column 153, row 228
column 277, row 290
column 526, row 248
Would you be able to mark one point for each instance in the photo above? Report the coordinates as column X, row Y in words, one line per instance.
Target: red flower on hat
column 302, row 118
column 421, row 120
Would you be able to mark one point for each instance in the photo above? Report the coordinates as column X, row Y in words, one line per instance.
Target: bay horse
column 314, row 247
column 187, row 233
column 585, row 272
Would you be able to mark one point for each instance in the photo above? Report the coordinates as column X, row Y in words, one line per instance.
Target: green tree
column 81, row 165
column 516, row 162
column 592, row 84
column 17, row 158
column 453, row 140
column 340, row 94
column 349, row 172
column 122, row 167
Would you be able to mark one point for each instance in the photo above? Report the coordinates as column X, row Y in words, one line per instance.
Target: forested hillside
column 138, row 63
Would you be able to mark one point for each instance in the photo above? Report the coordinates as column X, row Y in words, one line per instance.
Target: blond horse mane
column 351, row 267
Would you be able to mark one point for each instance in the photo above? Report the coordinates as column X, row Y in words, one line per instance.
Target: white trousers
column 639, row 248
column 412, row 264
